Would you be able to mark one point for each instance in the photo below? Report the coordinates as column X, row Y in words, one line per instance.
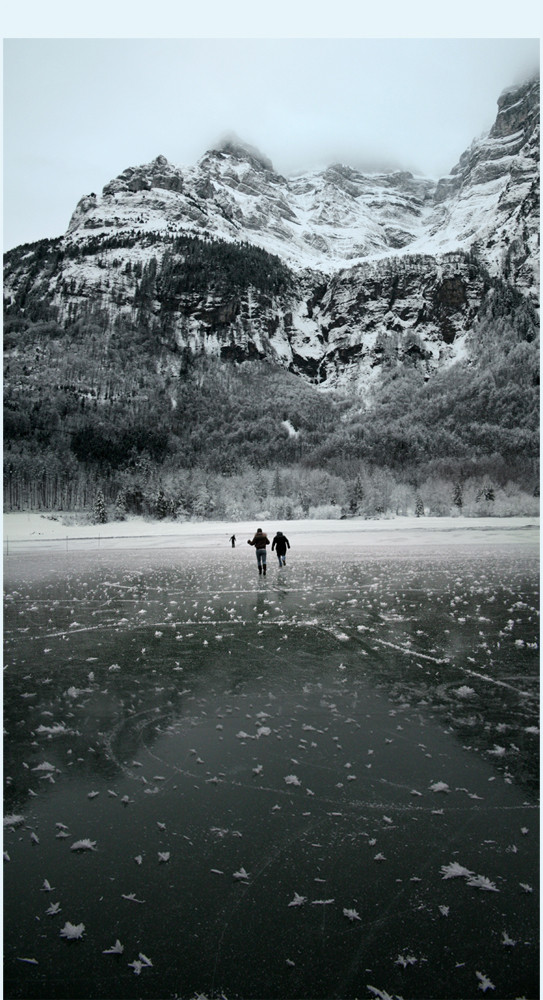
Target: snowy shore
column 28, row 527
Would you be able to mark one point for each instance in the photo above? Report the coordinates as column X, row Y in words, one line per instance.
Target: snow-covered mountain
column 370, row 264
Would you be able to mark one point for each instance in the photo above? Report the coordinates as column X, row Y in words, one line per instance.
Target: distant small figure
column 281, row 544
column 260, row 541
column 233, row 540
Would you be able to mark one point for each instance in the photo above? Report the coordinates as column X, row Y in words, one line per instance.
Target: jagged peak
column 158, row 173
column 232, row 145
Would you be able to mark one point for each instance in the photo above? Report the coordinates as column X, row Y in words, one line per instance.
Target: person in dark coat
column 281, row 544
column 233, row 540
column 260, row 540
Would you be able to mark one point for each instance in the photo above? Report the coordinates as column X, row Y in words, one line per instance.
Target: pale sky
column 78, row 111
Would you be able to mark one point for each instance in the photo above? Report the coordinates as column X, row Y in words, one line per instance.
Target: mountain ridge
column 403, row 310
column 328, row 218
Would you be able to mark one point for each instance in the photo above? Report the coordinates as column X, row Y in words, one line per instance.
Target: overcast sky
column 78, row 111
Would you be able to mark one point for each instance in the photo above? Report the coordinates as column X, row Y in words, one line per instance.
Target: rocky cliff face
column 366, row 266
column 490, row 201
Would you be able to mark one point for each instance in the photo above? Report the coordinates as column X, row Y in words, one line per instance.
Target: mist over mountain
column 198, row 321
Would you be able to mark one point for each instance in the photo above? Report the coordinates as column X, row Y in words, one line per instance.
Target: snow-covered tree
column 458, row 499
column 120, row 506
column 162, row 505
column 355, row 495
column 203, row 502
column 99, row 509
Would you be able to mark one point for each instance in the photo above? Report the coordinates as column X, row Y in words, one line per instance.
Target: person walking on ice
column 281, row 544
column 260, row 541
column 233, row 540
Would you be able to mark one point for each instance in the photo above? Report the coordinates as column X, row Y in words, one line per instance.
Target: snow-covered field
column 401, row 531
column 320, row 783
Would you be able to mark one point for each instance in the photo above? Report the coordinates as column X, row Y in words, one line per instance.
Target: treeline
column 284, row 493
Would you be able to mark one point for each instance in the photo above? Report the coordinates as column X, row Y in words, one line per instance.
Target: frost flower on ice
column 465, row 691
column 439, row 786
column 506, row 940
column 382, row 994
column 53, row 909
column 163, row 855
column 54, row 730
column 444, row 910
column 47, row 887
column 84, row 845
column 72, row 931
column 482, row 882
column 298, row 900
column 484, row 982
column 454, row 870
column 351, row 914
column 116, row 949
column 140, row 963
column 292, row 779
column 13, row 820
column 242, row 874
column 405, row 960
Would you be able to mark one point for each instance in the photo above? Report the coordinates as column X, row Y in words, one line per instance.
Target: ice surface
column 225, row 742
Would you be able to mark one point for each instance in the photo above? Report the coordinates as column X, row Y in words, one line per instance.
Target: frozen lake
column 321, row 784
